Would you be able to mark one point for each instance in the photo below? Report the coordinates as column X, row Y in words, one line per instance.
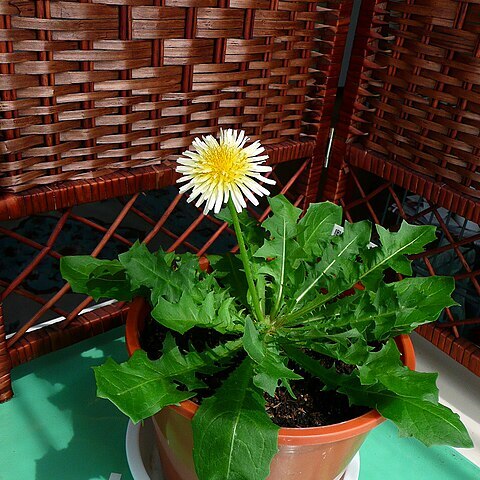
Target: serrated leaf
column 390, row 311
column 408, row 240
column 201, row 306
column 346, row 273
column 171, row 282
column 348, row 346
column 283, row 222
column 229, row 269
column 269, row 365
column 385, row 367
column 145, row 268
column 141, row 387
column 328, row 376
column 424, row 419
column 421, row 300
column 252, row 343
column 137, row 387
column 315, row 228
column 281, row 250
column 98, row 278
column 234, row 439
column 251, row 230
column 337, row 262
column 428, row 422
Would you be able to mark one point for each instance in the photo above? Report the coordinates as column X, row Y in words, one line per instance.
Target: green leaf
column 328, row 376
column 421, row 300
column 390, row 311
column 408, row 240
column 317, row 225
column 429, row 423
column 229, row 269
column 98, row 278
column 283, row 222
column 141, row 387
column 145, row 268
column 432, row 424
column 337, row 263
column 269, row 365
column 179, row 277
column 385, row 367
column 340, row 262
column 406, row 397
column 282, row 251
column 233, row 437
column 203, row 305
column 251, row 230
column 252, row 343
column 137, row 387
column 349, row 346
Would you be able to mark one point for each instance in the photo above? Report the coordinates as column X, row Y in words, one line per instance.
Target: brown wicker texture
column 411, row 117
column 91, row 87
column 415, row 99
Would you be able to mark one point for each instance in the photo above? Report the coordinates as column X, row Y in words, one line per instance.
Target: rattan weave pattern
column 418, row 97
column 90, row 87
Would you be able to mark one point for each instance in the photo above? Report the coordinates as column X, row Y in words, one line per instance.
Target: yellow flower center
column 225, row 163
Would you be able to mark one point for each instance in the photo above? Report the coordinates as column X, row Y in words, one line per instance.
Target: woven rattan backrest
column 411, row 118
column 88, row 88
column 414, row 91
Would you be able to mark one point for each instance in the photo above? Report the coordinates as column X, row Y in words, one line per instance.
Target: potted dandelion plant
column 274, row 362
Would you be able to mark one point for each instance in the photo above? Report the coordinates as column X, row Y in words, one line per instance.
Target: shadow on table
column 71, row 434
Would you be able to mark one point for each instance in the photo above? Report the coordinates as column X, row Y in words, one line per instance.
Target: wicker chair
column 97, row 100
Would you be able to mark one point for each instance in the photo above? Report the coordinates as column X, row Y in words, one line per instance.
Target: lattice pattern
column 164, row 219
column 417, row 67
column 87, row 88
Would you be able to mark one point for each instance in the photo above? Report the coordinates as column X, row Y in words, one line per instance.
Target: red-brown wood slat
column 88, row 88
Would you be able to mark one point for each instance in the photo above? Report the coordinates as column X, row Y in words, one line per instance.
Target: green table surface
column 56, row 429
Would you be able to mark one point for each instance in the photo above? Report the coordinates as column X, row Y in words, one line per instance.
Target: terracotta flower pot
column 318, row 453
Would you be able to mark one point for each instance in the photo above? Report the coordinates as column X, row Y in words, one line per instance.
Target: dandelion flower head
column 217, row 170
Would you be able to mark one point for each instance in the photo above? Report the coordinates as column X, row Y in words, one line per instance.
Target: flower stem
column 246, row 263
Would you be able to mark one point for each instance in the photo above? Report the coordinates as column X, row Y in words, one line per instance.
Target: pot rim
column 286, row 436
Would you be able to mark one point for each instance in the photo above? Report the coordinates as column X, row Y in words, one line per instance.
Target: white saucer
column 144, row 461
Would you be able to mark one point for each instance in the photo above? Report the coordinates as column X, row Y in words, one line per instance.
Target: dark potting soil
column 312, row 406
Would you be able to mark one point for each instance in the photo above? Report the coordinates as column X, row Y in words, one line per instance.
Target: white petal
column 238, row 207
column 200, row 200
column 183, row 179
column 241, row 139
column 187, row 162
column 263, row 179
column 238, row 195
column 248, row 193
column 256, row 188
column 218, row 201
column 254, row 149
column 186, row 187
column 258, row 159
column 260, row 168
